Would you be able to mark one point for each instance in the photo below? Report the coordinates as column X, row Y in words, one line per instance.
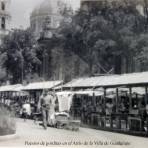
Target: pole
column 44, row 64
column 104, row 109
column 146, row 98
column 117, row 98
column 146, row 95
column 130, row 99
column 118, row 116
column 22, row 70
column 94, row 97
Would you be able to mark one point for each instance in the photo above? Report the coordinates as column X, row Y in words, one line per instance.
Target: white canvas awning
column 42, row 85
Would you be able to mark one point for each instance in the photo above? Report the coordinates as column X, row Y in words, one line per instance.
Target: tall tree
column 20, row 54
column 104, row 35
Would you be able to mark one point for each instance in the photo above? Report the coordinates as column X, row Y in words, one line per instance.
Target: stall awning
column 42, row 85
column 133, row 79
column 15, row 89
column 11, row 88
column 89, row 93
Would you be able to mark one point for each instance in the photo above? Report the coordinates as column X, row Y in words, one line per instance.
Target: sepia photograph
column 74, row 73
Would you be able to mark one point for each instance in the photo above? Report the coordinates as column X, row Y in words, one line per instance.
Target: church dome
column 47, row 10
column 47, row 7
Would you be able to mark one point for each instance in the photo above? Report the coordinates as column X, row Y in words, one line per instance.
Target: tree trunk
column 118, row 65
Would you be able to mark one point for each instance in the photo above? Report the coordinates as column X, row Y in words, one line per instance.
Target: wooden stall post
column 130, row 106
column 104, row 102
column 0, row 97
column 93, row 118
column 146, row 99
column 94, row 97
column 104, row 108
column 118, row 117
column 130, row 99
column 146, row 95
column 117, row 98
column 5, row 97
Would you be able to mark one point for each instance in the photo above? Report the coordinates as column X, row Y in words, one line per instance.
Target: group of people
column 47, row 106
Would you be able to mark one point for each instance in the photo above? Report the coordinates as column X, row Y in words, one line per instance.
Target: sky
column 21, row 9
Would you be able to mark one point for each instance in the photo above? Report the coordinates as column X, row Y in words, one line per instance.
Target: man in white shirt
column 46, row 105
column 26, row 110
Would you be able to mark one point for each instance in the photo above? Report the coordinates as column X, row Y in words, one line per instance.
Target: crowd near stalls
column 12, row 97
column 111, row 102
column 36, row 89
column 19, row 97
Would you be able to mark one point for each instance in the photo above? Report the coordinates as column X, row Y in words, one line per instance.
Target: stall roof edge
column 131, row 79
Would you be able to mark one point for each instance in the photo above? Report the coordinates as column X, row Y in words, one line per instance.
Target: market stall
column 125, row 110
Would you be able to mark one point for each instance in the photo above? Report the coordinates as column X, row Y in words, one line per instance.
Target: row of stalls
column 114, row 102
column 14, row 96
column 111, row 102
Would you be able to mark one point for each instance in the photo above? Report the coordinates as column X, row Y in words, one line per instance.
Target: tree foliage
column 105, row 35
column 108, row 37
column 20, row 55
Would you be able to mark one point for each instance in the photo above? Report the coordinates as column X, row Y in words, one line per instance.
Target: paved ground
column 34, row 135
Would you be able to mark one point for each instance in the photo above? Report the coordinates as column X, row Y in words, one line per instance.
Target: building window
column 3, row 23
column 2, row 5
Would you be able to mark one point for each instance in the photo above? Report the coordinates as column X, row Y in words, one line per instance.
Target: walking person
column 45, row 103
